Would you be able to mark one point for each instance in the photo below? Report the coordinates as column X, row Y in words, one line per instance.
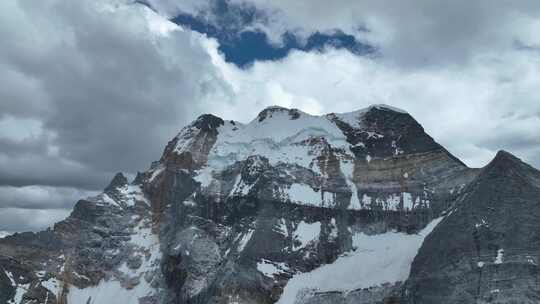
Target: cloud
column 41, row 197
column 106, row 89
column 17, row 219
column 34, row 208
column 473, row 109
column 89, row 88
column 409, row 34
column 414, row 33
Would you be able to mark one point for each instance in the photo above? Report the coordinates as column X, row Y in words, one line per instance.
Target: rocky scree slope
column 289, row 208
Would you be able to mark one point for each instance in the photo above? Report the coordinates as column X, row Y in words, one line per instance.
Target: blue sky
column 246, row 47
column 243, row 46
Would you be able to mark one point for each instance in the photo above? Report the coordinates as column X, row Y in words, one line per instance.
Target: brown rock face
column 195, row 142
column 409, row 170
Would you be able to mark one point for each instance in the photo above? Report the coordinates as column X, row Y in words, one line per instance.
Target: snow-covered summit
column 313, row 154
column 289, row 135
column 293, row 113
column 278, row 123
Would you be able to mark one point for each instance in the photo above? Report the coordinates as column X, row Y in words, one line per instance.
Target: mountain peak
column 504, row 160
column 378, row 131
column 503, row 155
column 119, row 180
column 274, row 108
column 384, row 107
column 271, row 110
column 508, row 167
column 296, row 113
column 208, row 122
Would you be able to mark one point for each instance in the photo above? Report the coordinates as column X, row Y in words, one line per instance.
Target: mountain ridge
column 235, row 212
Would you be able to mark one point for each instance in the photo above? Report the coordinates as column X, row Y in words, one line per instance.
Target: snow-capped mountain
column 360, row 207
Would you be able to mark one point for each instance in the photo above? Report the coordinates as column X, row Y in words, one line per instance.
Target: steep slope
column 231, row 212
column 371, row 154
column 487, row 249
column 289, row 192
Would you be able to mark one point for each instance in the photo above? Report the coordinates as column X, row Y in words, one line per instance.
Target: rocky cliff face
column 292, row 208
column 491, row 243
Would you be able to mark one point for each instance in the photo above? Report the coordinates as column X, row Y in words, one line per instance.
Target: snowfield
column 378, row 259
column 277, row 137
column 108, row 292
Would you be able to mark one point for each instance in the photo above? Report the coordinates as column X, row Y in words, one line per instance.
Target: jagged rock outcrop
column 105, row 242
column 292, row 208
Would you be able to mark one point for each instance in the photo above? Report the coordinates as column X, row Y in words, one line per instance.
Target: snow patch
column 53, row 285
column 156, row 173
column 240, row 188
column 20, row 289
column 107, row 199
column 132, row 194
column 483, row 223
column 499, row 257
column 186, row 139
column 245, row 239
column 334, row 229
column 304, row 195
column 281, row 227
column 204, row 176
column 378, row 259
column 390, row 202
column 347, row 168
column 189, row 202
column 109, row 292
column 270, row 269
column 306, row 232
column 408, row 203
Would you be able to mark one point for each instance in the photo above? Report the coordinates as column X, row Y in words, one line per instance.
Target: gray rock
column 487, row 249
column 200, row 239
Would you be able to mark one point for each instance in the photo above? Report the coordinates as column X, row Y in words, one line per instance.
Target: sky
column 94, row 87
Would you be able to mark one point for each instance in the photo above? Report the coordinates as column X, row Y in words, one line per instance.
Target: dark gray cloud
column 41, row 197
column 21, row 148
column 17, row 219
column 100, row 83
column 89, row 88
column 50, row 171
